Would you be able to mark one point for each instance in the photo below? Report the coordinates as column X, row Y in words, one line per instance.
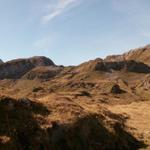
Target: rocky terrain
column 16, row 68
column 102, row 104
column 140, row 54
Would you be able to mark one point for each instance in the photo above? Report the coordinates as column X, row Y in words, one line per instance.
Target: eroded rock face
column 131, row 66
column 108, row 66
column 16, row 68
column 43, row 72
column 92, row 65
column 140, row 54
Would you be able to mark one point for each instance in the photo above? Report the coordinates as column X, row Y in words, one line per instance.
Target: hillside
column 17, row 68
column 140, row 54
column 99, row 104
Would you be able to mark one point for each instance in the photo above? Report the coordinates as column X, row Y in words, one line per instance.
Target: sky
column 72, row 31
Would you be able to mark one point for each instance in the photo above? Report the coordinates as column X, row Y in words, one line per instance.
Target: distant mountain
column 18, row 67
column 139, row 54
column 136, row 61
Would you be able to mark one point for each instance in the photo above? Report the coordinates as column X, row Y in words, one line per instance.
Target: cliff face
column 17, row 68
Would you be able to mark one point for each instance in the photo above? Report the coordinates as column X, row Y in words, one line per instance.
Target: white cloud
column 58, row 9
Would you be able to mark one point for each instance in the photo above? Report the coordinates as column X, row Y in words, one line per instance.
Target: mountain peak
column 18, row 67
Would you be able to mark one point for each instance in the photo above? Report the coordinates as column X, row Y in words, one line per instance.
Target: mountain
column 136, row 60
column 109, row 65
column 17, row 68
column 99, row 104
column 140, row 54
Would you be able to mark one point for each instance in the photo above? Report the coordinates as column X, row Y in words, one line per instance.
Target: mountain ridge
column 141, row 54
column 17, row 67
column 136, row 60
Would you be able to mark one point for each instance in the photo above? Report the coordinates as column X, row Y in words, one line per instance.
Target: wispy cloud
column 58, row 9
column 43, row 44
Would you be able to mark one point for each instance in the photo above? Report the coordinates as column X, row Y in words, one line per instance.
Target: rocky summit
column 102, row 104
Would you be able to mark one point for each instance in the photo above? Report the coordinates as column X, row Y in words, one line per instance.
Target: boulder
column 116, row 89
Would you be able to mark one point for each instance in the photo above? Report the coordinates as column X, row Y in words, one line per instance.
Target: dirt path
column 139, row 119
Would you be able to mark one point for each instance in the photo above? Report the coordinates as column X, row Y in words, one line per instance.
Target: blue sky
column 72, row 31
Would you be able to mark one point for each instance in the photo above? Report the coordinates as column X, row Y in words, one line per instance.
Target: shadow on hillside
column 17, row 121
column 18, row 124
column 131, row 66
column 89, row 133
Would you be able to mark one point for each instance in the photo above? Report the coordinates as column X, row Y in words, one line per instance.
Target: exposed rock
column 92, row 65
column 83, row 93
column 117, row 90
column 43, row 72
column 17, row 68
column 131, row 66
column 108, row 66
column 139, row 54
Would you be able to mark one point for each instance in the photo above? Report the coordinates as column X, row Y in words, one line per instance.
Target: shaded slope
column 16, row 68
column 43, row 72
column 109, row 66
column 26, row 125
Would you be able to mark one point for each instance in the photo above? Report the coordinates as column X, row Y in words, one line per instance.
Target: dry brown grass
column 139, row 119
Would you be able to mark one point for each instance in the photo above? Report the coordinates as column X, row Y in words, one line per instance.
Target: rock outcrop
column 43, row 72
column 109, row 66
column 140, row 54
column 116, row 89
column 16, row 68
